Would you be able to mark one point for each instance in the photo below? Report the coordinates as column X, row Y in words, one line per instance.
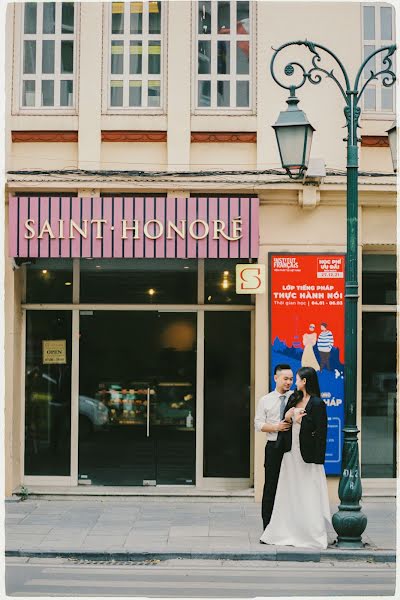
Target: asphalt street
column 197, row 578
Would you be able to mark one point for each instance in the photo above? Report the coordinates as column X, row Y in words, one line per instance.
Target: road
column 197, row 578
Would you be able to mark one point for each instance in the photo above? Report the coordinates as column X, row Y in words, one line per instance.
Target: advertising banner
column 307, row 329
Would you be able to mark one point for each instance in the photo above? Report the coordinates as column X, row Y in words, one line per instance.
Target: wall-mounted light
column 151, row 292
column 68, row 283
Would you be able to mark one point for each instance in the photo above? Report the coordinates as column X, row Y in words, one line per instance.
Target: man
column 325, row 344
column 269, row 418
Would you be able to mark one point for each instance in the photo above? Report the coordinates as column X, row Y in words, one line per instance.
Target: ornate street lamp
column 392, row 135
column 294, row 136
column 349, row 522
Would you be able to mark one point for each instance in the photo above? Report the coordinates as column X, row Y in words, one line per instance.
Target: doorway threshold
column 165, row 491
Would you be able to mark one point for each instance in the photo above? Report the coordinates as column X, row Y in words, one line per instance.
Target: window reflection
column 220, row 282
column 379, row 384
column 224, row 58
column 67, row 19
column 140, row 417
column 154, row 17
column 243, row 20
column 227, row 394
column 49, row 281
column 379, row 279
column 48, row 393
column 140, row 281
column 204, row 18
column 224, row 19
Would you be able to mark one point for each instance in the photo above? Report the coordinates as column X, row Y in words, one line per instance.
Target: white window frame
column 378, row 112
column 18, row 57
column 214, row 77
column 127, row 37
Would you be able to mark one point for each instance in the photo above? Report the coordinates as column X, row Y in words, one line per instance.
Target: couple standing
column 295, row 503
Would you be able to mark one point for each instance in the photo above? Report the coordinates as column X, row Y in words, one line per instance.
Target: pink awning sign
column 133, row 227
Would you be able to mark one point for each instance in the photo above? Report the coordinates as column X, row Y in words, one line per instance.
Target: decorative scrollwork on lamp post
column 294, row 133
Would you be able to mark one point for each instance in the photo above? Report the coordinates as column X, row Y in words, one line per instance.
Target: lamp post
column 349, row 522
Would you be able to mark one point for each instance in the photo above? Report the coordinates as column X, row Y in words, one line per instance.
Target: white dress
column 301, row 511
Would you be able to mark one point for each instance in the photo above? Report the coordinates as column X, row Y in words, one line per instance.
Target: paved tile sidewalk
column 159, row 525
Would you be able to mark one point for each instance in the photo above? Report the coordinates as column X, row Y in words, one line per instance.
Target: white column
column 90, row 82
column 179, row 70
column 13, row 371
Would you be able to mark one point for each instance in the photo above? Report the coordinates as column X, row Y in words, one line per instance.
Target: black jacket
column 313, row 432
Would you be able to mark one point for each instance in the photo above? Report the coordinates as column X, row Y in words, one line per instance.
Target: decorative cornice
column 44, row 136
column 211, row 137
column 133, row 136
column 375, row 141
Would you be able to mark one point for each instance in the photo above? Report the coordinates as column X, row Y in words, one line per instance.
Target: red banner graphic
column 307, row 329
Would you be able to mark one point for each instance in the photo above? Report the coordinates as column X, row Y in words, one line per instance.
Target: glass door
column 137, row 405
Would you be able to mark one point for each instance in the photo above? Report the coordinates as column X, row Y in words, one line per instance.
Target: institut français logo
column 285, row 263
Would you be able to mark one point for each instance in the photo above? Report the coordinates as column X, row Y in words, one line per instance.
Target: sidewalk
column 159, row 528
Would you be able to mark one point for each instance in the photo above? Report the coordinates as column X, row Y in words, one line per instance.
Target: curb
column 378, row 556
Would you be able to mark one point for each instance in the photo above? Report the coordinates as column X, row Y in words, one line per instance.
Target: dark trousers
column 324, row 359
column 272, row 465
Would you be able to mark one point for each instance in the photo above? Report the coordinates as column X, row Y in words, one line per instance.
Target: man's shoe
column 261, row 542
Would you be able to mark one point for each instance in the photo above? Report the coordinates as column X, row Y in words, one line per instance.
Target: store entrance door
column 137, row 405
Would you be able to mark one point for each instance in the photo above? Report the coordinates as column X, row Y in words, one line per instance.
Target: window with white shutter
column 48, row 55
column 378, row 31
column 224, row 55
column 136, row 55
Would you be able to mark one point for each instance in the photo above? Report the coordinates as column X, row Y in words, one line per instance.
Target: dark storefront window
column 220, row 282
column 379, row 279
column 49, row 281
column 379, row 395
column 48, row 393
column 137, row 397
column 227, row 394
column 139, row 281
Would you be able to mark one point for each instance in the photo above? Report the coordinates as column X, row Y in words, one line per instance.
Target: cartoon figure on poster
column 309, row 340
column 307, row 330
column 325, row 344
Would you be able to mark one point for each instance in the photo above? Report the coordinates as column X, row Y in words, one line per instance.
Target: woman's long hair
column 312, row 385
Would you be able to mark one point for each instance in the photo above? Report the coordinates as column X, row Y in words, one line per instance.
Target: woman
column 308, row 358
column 301, row 511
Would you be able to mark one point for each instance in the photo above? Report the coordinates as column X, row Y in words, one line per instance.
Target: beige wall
column 49, row 155
column 276, row 22
column 132, row 156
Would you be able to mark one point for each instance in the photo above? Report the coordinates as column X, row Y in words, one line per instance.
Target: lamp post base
column 349, row 525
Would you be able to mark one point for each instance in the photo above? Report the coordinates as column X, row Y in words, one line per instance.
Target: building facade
column 141, row 169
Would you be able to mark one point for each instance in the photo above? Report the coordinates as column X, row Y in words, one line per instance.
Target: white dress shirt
column 268, row 411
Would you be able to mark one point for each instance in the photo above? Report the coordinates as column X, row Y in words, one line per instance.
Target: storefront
column 137, row 354
column 136, row 363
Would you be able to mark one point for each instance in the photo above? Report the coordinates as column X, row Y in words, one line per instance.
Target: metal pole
column 349, row 522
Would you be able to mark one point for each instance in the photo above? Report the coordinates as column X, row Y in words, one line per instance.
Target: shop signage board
column 133, row 227
column 307, row 329
column 250, row 279
column 54, row 352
